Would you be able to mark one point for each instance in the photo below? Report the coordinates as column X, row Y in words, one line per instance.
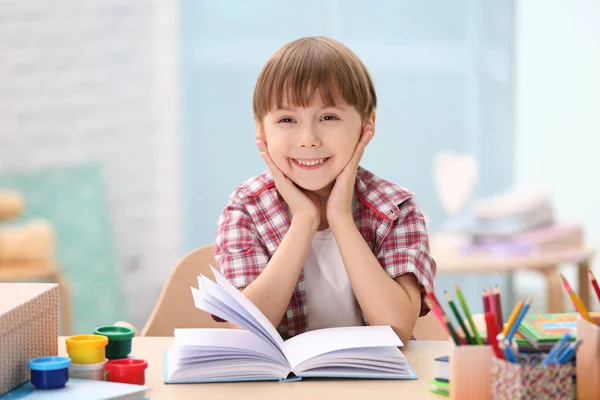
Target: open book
column 259, row 353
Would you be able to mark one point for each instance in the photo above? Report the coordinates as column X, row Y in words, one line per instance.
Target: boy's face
column 312, row 145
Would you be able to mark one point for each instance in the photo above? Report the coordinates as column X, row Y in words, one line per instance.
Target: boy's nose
column 309, row 138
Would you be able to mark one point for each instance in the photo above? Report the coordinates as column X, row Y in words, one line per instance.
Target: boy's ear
column 260, row 129
column 371, row 121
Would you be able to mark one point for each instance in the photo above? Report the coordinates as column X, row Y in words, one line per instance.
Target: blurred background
column 126, row 124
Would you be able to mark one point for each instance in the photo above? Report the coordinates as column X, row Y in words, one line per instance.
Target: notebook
column 439, row 387
column 78, row 389
column 258, row 352
column 544, row 330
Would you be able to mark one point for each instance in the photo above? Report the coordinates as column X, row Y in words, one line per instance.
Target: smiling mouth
column 312, row 163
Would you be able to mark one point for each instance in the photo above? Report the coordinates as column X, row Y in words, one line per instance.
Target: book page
column 214, row 305
column 318, row 342
column 248, row 306
column 191, row 341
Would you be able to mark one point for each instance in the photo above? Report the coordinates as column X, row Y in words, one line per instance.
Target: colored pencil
column 439, row 313
column 458, row 317
column 498, row 302
column 492, row 302
column 433, row 297
column 515, row 327
column 556, row 349
column 486, row 301
column 568, row 353
column 594, row 283
column 492, row 332
column 511, row 319
column 507, row 350
column 576, row 300
column 436, row 311
column 463, row 304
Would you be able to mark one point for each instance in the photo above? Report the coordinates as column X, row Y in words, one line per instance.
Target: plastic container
column 87, row 349
column 127, row 371
column 49, row 372
column 471, row 372
column 529, row 380
column 119, row 340
column 96, row 372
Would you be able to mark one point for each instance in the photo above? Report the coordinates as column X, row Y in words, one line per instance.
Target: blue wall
column 442, row 70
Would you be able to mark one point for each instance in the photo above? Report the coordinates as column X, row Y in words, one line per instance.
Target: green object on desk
column 440, row 387
column 463, row 303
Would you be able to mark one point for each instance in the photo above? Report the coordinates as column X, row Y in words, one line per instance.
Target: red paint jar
column 127, row 370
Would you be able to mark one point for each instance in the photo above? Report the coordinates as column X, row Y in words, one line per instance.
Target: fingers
column 262, row 146
column 265, row 156
column 367, row 135
column 365, row 138
column 276, row 173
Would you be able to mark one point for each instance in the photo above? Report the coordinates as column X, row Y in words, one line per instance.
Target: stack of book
column 441, row 383
column 542, row 331
column 518, row 221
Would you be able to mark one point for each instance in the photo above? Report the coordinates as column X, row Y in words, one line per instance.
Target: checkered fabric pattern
column 254, row 223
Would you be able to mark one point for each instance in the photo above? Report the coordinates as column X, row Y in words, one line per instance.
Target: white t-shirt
column 330, row 300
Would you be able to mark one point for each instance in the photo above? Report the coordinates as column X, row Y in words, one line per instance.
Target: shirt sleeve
column 238, row 250
column 406, row 249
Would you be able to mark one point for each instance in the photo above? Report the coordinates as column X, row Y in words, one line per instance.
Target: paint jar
column 119, row 340
column 49, row 372
column 96, row 372
column 87, row 349
column 127, row 370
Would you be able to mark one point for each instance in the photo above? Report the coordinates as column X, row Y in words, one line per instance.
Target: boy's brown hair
column 300, row 67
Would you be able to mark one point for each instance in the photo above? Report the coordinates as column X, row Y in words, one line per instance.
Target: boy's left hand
column 339, row 204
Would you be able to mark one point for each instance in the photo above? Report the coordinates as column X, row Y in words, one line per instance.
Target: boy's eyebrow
column 335, row 107
column 287, row 108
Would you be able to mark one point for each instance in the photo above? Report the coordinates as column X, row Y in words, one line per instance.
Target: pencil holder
column 588, row 359
column 471, row 372
column 530, row 380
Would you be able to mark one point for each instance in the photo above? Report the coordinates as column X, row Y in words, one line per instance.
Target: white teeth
column 310, row 162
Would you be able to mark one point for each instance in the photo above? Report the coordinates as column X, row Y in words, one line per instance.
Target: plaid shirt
column 254, row 223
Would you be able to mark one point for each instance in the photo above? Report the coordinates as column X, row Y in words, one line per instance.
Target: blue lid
column 49, row 363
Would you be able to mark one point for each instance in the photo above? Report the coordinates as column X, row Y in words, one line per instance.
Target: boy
column 317, row 241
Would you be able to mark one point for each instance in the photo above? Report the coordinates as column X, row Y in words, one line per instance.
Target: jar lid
column 128, row 364
column 50, row 363
column 115, row 332
column 81, row 341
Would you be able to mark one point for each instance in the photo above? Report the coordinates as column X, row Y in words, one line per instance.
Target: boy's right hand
column 303, row 204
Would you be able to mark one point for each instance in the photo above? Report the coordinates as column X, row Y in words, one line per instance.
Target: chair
column 175, row 307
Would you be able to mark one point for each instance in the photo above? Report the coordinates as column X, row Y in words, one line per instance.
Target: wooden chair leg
column 584, row 283
column 554, row 291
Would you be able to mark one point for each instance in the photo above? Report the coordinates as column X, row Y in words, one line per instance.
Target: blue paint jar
column 49, row 372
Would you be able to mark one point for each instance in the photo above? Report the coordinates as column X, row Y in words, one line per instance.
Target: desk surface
column 420, row 355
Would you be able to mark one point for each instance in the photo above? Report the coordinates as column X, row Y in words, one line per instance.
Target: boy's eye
column 286, row 120
column 330, row 118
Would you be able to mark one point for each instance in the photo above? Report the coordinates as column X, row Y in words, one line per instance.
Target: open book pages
column 259, row 353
